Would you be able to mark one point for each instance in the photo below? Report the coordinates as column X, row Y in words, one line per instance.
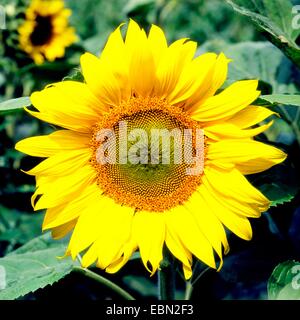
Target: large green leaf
column 14, row 104
column 275, row 20
column 290, row 99
column 33, row 266
column 254, row 60
column 284, row 283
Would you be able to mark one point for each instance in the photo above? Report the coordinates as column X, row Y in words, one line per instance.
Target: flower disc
column 150, row 173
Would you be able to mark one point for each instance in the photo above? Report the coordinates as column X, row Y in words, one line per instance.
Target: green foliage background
column 259, row 38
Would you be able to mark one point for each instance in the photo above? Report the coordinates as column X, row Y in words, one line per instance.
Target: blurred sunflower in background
column 116, row 209
column 46, row 33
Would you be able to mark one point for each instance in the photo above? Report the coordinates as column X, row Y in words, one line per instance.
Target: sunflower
column 116, row 208
column 45, row 33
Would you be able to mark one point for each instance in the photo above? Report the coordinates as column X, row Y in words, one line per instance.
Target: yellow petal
column 114, row 54
column 90, row 256
column 105, row 223
column 68, row 104
column 230, row 101
column 46, row 146
column 250, row 116
column 141, row 65
column 91, row 223
column 72, row 209
column 62, row 121
column 192, row 78
column 180, row 222
column 100, row 79
column 113, row 235
column 62, row 163
column 219, row 75
column 232, row 184
column 187, row 271
column 230, row 131
column 58, row 190
column 63, row 230
column 80, row 98
column 207, row 222
column 238, row 224
column 176, row 247
column 114, row 46
column 157, row 42
column 125, row 255
column 249, row 156
column 213, row 80
column 149, row 232
column 171, row 64
column 231, row 203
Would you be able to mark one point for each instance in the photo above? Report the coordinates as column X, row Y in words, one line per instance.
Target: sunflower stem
column 166, row 277
column 188, row 290
column 107, row 283
column 191, row 283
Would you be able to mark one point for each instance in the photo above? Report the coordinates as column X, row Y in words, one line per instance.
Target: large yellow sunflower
column 45, row 33
column 118, row 208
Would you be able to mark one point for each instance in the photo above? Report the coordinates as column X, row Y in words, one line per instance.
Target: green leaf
column 275, row 20
column 14, row 104
column 279, row 184
column 76, row 75
column 284, row 283
column 278, row 193
column 254, row 60
column 32, row 267
column 290, row 99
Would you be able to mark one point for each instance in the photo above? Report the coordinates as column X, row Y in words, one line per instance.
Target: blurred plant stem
column 188, row 290
column 107, row 283
column 191, row 283
column 9, row 91
column 166, row 277
column 162, row 9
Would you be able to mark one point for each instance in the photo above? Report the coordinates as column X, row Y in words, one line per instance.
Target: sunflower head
column 151, row 153
column 45, row 33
